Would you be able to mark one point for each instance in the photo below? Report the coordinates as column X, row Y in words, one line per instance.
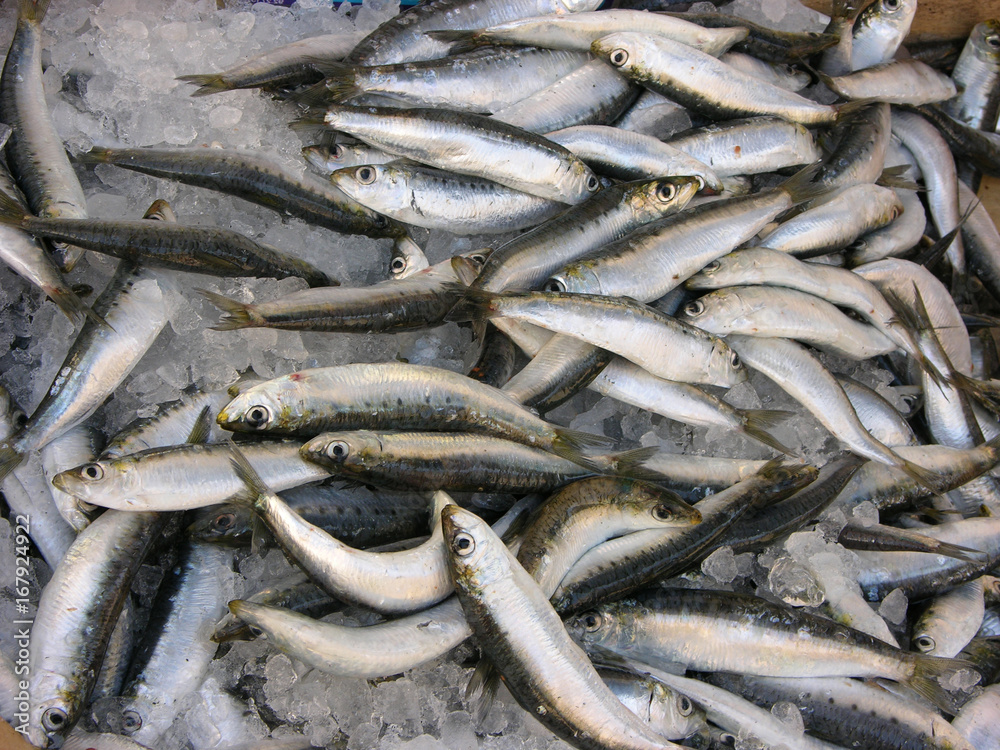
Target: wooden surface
column 943, row 19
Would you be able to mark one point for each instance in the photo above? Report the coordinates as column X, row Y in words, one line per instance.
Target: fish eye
column 666, row 192
column 337, row 151
column 397, row 265
column 993, row 40
column 19, row 418
column 694, row 308
column 255, row 631
column 380, row 221
column 593, row 183
column 895, row 213
column 478, row 258
column 662, row 512
column 618, row 57
column 224, row 521
column 131, row 721
column 735, row 361
column 365, row 175
column 93, row 472
column 712, row 267
column 463, row 544
column 591, row 622
column 925, row 643
column 555, row 285
column 684, row 705
column 701, row 182
column 891, row 5
column 258, row 416
column 338, row 449
column 727, row 739
column 54, row 719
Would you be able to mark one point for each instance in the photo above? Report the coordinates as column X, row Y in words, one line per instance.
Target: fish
column 285, row 66
column 529, row 163
column 976, row 74
column 35, row 150
column 524, row 638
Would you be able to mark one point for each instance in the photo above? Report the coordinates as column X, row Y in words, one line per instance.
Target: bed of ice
column 111, row 80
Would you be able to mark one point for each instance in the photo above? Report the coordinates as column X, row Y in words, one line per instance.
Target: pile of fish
column 706, row 456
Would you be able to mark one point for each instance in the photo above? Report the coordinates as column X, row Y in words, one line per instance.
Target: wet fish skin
column 325, row 160
column 749, row 146
column 977, row 74
column 456, row 462
column 37, row 157
column 764, row 42
column 631, row 156
column 471, row 144
column 76, row 614
column 420, row 300
column 287, row 65
column 637, row 332
column 392, row 396
column 524, row 638
column 702, row 83
column 879, row 30
column 435, row 199
column 608, row 216
column 593, row 94
column 583, row 514
column 897, row 82
column 404, row 38
column 255, row 178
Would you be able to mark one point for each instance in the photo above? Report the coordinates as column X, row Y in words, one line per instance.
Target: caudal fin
column 32, row 10
column 72, row 306
column 932, row 676
column 11, row 212
column 10, row 459
column 208, row 83
column 237, row 314
column 757, row 422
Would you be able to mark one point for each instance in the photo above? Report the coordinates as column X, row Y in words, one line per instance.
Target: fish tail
column 208, row 83
column 255, row 492
column 72, row 306
column 32, row 10
column 895, row 177
column 465, row 269
column 628, row 463
column 10, row 459
column 237, row 314
column 757, row 422
column 573, row 441
column 933, row 481
column 931, row 673
column 849, row 110
column 800, row 186
column 308, row 122
column 476, row 305
column 959, row 552
column 338, row 86
column 11, row 212
column 96, row 155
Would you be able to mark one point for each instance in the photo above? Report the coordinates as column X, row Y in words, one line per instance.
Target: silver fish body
column 879, row 30
column 977, row 75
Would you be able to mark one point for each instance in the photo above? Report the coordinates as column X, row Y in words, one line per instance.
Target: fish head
column 595, row 628
column 272, row 406
column 368, row 181
column 741, row 267
column 111, row 478
column 622, row 50
column 725, row 367
column 985, row 40
column 578, row 277
column 714, row 312
column 889, row 17
column 53, row 718
column 476, row 555
column 655, row 506
column 229, row 524
column 673, row 712
column 344, row 452
column 665, row 195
